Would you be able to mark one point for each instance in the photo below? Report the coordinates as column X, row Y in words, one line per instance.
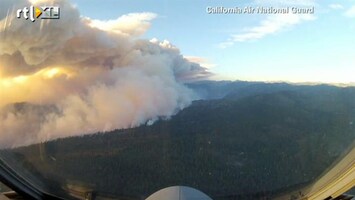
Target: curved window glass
column 120, row 99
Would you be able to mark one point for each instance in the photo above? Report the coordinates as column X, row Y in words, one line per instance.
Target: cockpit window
column 121, row 99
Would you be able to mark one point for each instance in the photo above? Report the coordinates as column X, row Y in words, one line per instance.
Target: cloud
column 336, row 6
column 350, row 12
column 204, row 62
column 77, row 76
column 133, row 24
column 273, row 23
column 34, row 51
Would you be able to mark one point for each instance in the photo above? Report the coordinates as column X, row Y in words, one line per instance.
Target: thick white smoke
column 76, row 76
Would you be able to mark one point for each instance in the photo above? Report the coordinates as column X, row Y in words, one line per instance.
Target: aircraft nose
column 178, row 193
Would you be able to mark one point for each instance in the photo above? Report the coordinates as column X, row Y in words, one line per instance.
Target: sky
column 315, row 47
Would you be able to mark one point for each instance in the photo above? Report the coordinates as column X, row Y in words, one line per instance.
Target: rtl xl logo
column 43, row 12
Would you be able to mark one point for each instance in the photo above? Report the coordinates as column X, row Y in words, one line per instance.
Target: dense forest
column 249, row 141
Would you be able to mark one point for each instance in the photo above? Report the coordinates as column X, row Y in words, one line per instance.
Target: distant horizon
column 350, row 84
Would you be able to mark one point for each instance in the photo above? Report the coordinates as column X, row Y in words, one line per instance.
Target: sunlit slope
column 237, row 147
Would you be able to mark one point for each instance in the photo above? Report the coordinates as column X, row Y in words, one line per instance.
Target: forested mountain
column 252, row 141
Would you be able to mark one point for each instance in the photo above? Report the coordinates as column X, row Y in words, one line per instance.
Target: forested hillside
column 246, row 145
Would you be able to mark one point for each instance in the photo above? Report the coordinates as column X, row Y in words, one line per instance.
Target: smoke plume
column 77, row 75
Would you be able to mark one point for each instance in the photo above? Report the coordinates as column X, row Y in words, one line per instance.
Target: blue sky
column 299, row 48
